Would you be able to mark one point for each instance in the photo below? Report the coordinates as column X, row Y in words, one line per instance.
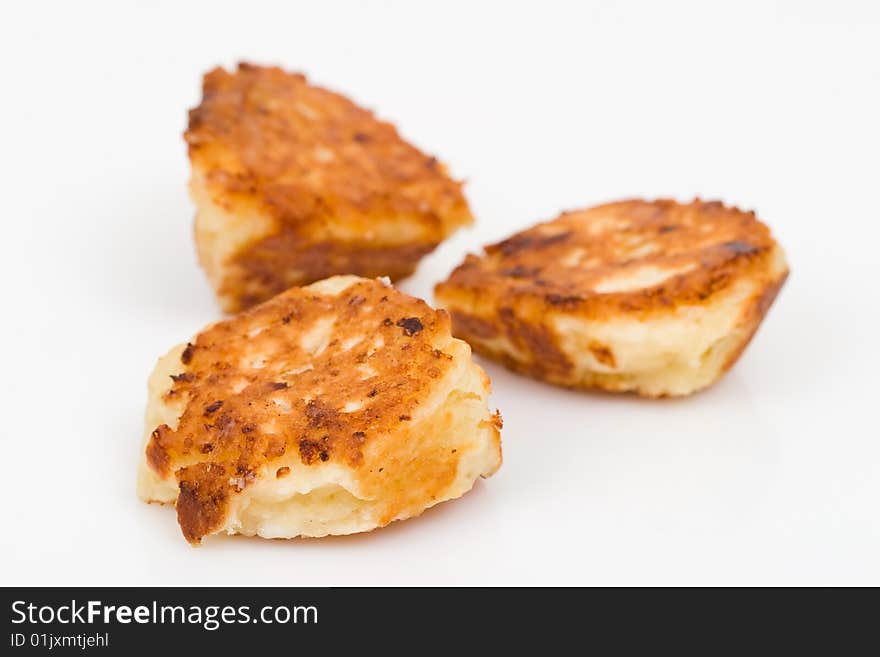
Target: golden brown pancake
column 294, row 183
column 658, row 298
column 330, row 409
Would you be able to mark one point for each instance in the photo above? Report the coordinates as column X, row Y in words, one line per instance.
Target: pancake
column 294, row 183
column 657, row 298
column 330, row 409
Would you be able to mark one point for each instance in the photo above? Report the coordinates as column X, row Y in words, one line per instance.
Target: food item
column 330, row 409
column 658, row 298
column 293, row 183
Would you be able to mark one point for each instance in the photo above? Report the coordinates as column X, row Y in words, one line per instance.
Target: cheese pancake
column 330, row 409
column 294, row 183
column 657, row 298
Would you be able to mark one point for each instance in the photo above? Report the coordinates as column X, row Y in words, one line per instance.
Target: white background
column 771, row 477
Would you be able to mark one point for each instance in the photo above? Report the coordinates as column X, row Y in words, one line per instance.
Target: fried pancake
column 658, row 298
column 293, row 183
column 330, row 409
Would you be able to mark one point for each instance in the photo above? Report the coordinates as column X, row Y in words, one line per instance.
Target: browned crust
column 603, row 353
column 203, row 500
column 320, row 166
column 262, row 134
column 239, row 415
column 464, row 323
column 157, row 456
column 530, row 267
column 284, row 260
column 536, row 340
